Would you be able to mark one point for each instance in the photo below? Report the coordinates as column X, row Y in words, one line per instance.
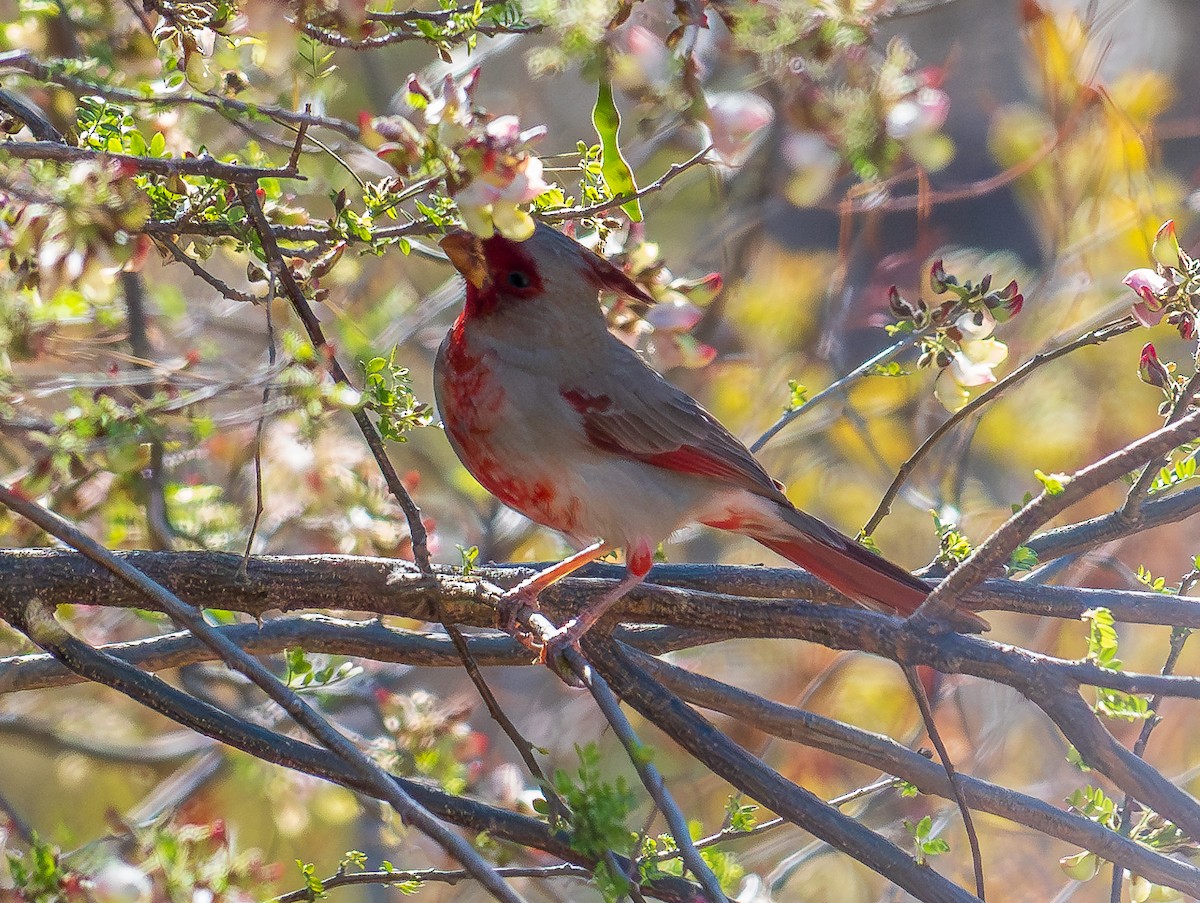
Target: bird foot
column 551, row 653
column 510, row 605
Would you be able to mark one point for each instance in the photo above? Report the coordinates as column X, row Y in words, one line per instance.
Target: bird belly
column 518, row 438
column 487, row 432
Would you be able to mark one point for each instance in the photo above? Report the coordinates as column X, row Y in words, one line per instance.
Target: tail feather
column 849, row 567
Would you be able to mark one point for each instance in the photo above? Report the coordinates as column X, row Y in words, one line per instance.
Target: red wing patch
column 689, row 459
column 684, row 459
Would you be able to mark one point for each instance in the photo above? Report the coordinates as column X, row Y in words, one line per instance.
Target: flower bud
column 898, row 305
column 939, row 279
column 1151, row 369
column 1166, row 245
column 1080, row 867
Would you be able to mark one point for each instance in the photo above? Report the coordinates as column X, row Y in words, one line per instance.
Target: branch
column 25, row 61
column 1088, row 534
column 1095, row 337
column 558, row 216
column 163, row 166
column 997, row 549
column 40, row 626
column 747, row 773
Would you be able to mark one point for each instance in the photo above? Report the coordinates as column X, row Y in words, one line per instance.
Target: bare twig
column 436, row 876
column 999, row 546
column 221, row 286
column 558, row 810
column 43, row 629
column 837, row 387
column 163, row 166
column 650, row 775
column 259, row 507
column 1096, row 336
column 918, row 691
column 295, row 295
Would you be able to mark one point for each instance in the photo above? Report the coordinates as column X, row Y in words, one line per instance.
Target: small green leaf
column 1054, row 483
column 617, row 173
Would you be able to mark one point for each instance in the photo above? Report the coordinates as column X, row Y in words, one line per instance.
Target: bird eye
column 517, row 279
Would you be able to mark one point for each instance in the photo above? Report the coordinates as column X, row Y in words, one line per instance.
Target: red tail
column 850, row 568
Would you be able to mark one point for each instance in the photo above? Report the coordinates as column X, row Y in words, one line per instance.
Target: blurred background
column 1042, row 143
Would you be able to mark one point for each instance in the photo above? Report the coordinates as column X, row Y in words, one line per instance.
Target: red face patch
column 513, row 276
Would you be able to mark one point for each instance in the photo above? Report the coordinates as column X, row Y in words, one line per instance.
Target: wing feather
column 645, row 417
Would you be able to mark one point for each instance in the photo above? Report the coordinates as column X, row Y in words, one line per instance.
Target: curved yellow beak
column 466, row 253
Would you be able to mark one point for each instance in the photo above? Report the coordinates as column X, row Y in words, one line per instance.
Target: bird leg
column 526, row 592
column 638, row 561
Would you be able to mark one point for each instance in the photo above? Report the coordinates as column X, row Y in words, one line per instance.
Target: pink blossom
column 491, row 202
column 1149, row 285
column 674, row 313
column 1151, row 369
column 735, row 118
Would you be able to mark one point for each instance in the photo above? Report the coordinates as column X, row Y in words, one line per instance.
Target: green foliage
column 618, row 176
column 925, row 843
column 1023, row 559
column 1174, row 474
column 1052, row 483
column 37, row 872
column 797, row 396
column 388, row 394
column 598, row 812
column 740, row 816
column 312, row 882
column 1093, row 804
column 303, row 674
column 469, row 556
column 315, row 61
column 954, row 547
column 1102, row 651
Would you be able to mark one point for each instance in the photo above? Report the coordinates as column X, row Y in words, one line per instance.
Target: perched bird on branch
column 563, row 422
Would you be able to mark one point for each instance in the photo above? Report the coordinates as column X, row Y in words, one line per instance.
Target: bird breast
column 513, row 430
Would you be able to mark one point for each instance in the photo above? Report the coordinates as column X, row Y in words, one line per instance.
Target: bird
column 569, row 426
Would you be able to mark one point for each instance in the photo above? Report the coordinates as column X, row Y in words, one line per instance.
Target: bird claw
column 510, row 606
column 551, row 654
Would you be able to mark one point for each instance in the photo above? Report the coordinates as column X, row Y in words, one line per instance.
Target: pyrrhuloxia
column 566, row 424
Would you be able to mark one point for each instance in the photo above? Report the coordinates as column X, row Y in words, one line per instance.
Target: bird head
column 504, row 275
